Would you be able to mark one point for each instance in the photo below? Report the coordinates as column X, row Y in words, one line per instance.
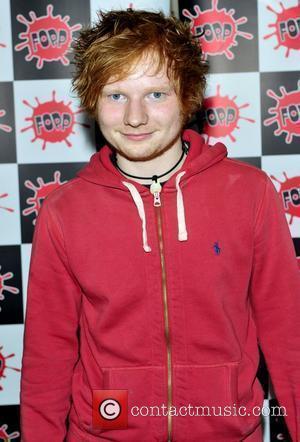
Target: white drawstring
column 140, row 207
column 182, row 232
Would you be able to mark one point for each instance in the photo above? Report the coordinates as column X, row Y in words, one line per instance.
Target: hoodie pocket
column 210, row 394
column 146, row 387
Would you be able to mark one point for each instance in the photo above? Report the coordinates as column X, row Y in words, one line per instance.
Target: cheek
column 109, row 115
column 168, row 113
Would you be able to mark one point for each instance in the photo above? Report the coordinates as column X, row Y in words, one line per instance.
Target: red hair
column 112, row 46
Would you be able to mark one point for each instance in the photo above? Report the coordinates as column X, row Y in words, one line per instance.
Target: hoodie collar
column 201, row 156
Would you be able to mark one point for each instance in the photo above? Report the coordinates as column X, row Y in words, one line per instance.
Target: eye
column 116, row 97
column 157, row 95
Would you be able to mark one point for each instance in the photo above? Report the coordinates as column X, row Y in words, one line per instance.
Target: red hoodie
column 166, row 302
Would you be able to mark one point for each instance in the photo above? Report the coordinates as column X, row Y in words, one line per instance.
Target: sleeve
column 50, row 338
column 275, row 297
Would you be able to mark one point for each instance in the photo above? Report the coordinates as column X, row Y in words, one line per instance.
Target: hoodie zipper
column 166, row 314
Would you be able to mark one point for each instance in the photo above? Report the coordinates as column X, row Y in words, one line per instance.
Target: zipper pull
column 155, row 189
column 157, row 201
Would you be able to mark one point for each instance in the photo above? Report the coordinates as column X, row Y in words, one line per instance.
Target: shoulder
column 64, row 190
column 246, row 172
column 243, row 167
column 247, row 182
column 66, row 195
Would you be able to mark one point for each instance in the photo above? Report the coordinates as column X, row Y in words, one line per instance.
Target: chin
column 139, row 156
column 137, row 152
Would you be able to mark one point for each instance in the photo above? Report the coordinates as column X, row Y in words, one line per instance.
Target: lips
column 138, row 137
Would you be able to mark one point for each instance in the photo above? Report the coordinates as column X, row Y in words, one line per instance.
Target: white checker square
column 10, row 232
column 243, row 138
column 6, row 55
column 286, row 169
column 108, row 5
column 11, row 343
column 277, row 52
column 49, row 125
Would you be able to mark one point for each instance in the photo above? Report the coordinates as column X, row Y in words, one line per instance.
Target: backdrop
column 252, row 105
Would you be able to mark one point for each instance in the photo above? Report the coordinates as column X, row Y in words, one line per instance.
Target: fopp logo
column 8, row 288
column 222, row 115
column 5, row 436
column 40, row 193
column 52, row 121
column 286, row 113
column 47, row 38
column 219, row 28
column 290, row 194
column 4, row 366
column 286, row 28
column 4, row 195
column 4, row 127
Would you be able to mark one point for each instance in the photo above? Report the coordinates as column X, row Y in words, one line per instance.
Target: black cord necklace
column 155, row 187
column 185, row 149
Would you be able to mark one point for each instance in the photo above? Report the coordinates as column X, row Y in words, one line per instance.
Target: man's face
column 140, row 115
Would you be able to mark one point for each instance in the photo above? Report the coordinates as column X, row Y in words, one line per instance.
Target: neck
column 154, row 166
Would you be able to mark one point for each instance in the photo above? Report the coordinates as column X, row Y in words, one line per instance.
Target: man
column 161, row 265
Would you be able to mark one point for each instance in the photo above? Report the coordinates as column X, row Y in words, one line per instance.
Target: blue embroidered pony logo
column 217, row 249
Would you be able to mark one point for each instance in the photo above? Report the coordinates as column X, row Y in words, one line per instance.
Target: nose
column 135, row 113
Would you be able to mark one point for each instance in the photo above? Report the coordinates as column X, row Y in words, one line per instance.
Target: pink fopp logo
column 3, row 287
column 219, row 28
column 5, row 436
column 47, row 38
column 286, row 28
column 290, row 194
column 4, row 127
column 52, row 121
column 8, row 209
column 4, row 366
column 286, row 113
column 222, row 115
column 40, row 193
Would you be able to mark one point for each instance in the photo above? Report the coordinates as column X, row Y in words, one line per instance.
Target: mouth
column 137, row 137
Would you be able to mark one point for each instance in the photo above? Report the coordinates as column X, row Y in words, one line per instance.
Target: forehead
column 143, row 72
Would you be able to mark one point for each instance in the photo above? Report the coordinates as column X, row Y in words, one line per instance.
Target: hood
column 201, row 156
column 100, row 169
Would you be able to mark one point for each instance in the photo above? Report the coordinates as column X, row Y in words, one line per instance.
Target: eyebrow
column 118, row 89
